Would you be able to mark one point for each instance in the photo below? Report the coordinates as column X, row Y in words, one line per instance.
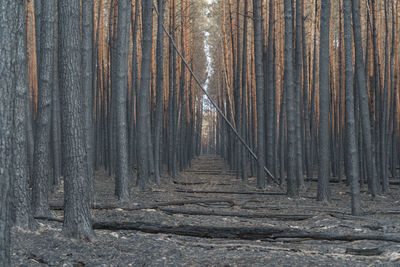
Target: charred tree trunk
column 8, row 44
column 21, row 202
column 324, row 100
column 42, row 168
column 121, row 91
column 87, row 86
column 159, row 92
column 260, row 93
column 76, row 202
column 351, row 142
column 143, row 108
column 292, row 187
column 364, row 105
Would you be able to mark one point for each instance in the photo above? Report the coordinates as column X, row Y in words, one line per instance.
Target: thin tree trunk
column 292, row 187
column 121, row 91
column 260, row 93
column 87, row 87
column 159, row 92
column 324, row 100
column 143, row 108
column 351, row 143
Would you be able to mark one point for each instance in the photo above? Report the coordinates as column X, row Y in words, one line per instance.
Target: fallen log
column 245, row 233
column 60, row 206
column 230, row 192
column 335, row 181
column 283, row 217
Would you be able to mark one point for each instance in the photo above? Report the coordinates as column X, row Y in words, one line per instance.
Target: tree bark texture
column 76, row 201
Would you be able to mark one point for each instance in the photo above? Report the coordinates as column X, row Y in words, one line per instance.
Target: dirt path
column 232, row 205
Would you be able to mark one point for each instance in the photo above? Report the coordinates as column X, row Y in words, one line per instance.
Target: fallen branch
column 49, row 219
column 59, row 206
column 187, row 183
column 361, row 218
column 364, row 251
column 230, row 192
column 283, row 217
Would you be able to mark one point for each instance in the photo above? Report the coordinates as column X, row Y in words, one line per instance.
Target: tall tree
column 351, row 142
column 87, row 85
column 8, row 44
column 121, row 91
column 298, row 85
column 143, row 101
column 75, row 170
column 42, row 167
column 159, row 91
column 364, row 105
column 292, row 188
column 260, row 93
column 21, row 202
column 243, row 121
column 324, row 100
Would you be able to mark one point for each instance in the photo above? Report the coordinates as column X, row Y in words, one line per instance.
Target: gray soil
column 48, row 247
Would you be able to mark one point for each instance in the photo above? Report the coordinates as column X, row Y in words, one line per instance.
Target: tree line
column 312, row 86
column 88, row 85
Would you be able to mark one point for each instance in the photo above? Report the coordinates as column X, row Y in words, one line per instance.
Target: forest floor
column 221, row 195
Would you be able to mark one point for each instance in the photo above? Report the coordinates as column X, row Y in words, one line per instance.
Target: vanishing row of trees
column 88, row 85
column 317, row 93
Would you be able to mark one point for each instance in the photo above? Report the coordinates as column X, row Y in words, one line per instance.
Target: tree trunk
column 324, row 100
column 42, row 168
column 21, row 204
column 143, row 108
column 122, row 178
column 243, row 128
column 87, row 87
column 364, row 107
column 76, row 212
column 292, row 187
column 350, row 121
column 159, row 92
column 8, row 44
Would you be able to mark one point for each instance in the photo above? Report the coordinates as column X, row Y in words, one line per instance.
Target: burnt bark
column 42, row 167
column 143, row 103
column 76, row 212
column 121, row 91
column 324, row 100
column 260, row 93
column 21, row 202
column 8, row 44
column 292, row 187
